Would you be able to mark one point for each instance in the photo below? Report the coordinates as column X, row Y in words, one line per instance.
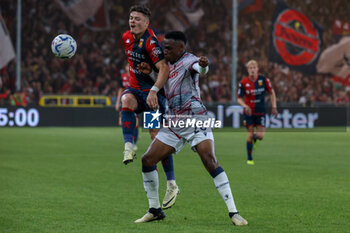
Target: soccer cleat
column 129, row 156
column 237, row 219
column 129, row 152
column 255, row 144
column 153, row 214
column 170, row 196
column 250, row 162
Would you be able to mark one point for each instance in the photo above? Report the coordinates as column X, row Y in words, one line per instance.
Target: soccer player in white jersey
column 183, row 96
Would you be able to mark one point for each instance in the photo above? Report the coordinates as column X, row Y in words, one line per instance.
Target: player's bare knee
column 153, row 133
column 147, row 160
column 250, row 138
column 260, row 136
column 129, row 101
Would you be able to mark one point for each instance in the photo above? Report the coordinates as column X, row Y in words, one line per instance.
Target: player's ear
column 182, row 46
column 147, row 21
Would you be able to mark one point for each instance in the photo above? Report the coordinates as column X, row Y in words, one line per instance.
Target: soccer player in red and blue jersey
column 143, row 93
column 123, row 84
column 251, row 96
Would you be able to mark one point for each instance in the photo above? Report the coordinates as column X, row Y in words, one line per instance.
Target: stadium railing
column 83, row 101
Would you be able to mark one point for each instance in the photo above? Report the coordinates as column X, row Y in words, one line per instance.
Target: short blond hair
column 252, row 62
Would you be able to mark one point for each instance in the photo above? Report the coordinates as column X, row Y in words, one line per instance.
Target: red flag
column 341, row 28
column 296, row 39
column 256, row 6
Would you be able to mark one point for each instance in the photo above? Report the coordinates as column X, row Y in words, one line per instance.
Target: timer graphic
column 19, row 117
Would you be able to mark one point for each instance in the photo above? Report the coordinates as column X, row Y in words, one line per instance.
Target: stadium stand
column 96, row 68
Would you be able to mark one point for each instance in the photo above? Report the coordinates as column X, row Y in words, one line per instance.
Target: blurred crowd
column 97, row 66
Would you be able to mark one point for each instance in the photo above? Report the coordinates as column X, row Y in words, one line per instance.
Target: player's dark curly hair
column 142, row 9
column 176, row 35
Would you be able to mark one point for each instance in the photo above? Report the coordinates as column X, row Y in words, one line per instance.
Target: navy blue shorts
column 255, row 120
column 141, row 97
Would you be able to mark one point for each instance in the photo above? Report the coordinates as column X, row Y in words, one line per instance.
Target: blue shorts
column 141, row 97
column 255, row 120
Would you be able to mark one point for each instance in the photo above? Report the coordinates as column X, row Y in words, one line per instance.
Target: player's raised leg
column 260, row 132
column 155, row 153
column 206, row 151
column 135, row 136
column 129, row 104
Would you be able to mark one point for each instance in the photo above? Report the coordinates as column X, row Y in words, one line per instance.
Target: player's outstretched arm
column 163, row 74
column 202, row 65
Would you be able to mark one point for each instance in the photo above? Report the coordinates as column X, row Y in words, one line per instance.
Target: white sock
column 151, row 185
column 223, row 186
column 171, row 183
column 128, row 146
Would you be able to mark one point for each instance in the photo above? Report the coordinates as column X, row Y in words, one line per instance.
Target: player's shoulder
column 150, row 32
column 190, row 57
column 151, row 37
column 127, row 36
column 245, row 80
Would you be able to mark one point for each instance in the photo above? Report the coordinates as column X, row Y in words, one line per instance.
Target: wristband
column 155, row 88
column 199, row 69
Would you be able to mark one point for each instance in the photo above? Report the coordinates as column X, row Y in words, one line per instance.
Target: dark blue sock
column 136, row 134
column 249, row 150
column 216, row 172
column 255, row 137
column 168, row 166
column 128, row 124
column 148, row 169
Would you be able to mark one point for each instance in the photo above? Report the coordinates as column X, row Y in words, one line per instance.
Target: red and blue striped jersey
column 146, row 49
column 254, row 93
column 124, row 80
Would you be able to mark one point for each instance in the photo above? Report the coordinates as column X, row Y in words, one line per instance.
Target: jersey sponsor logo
column 257, row 91
column 156, row 51
column 173, row 74
column 136, row 55
column 255, row 101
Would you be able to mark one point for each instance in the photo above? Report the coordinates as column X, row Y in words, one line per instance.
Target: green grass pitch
column 73, row 180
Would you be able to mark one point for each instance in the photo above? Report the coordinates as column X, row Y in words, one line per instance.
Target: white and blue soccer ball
column 64, row 46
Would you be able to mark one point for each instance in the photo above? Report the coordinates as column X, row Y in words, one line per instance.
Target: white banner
column 7, row 53
column 79, row 11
